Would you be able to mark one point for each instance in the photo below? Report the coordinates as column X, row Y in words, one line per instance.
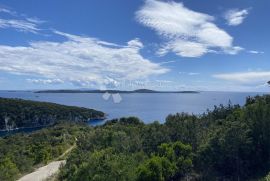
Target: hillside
column 229, row 143
column 17, row 113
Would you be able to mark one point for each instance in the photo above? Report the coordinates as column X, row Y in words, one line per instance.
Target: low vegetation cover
column 17, row 113
column 21, row 153
column 227, row 143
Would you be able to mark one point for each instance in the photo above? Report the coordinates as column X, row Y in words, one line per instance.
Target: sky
column 210, row 45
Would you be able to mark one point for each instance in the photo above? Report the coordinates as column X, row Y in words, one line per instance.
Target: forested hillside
column 228, row 143
column 16, row 113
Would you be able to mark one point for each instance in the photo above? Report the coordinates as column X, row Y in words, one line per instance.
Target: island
column 112, row 91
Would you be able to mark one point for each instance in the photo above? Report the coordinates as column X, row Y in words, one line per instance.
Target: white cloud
column 136, row 43
column 5, row 10
column 255, row 52
column 189, row 73
column 193, row 73
column 45, row 81
column 80, row 60
column 186, row 32
column 20, row 22
column 184, row 48
column 35, row 20
column 167, row 62
column 233, row 50
column 20, row 25
column 235, row 17
column 245, row 77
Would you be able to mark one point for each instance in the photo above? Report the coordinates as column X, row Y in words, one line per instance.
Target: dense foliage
column 16, row 113
column 227, row 143
column 20, row 153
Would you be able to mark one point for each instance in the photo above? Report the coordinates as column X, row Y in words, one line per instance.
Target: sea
column 148, row 107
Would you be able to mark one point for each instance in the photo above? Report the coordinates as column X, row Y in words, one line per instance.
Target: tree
column 173, row 162
column 180, row 155
column 156, row 169
column 106, row 164
column 8, row 170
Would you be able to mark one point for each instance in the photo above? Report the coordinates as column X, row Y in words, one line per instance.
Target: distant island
column 113, row 91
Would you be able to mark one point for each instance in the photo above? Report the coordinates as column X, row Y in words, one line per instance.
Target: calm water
column 148, row 107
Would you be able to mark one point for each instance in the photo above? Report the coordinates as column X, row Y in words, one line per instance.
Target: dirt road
column 43, row 173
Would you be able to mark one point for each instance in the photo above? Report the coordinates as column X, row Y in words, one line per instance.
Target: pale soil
column 43, row 173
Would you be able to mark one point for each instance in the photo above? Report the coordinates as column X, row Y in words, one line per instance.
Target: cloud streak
column 19, row 25
column 245, row 77
column 19, row 22
column 189, row 73
column 255, row 52
column 187, row 33
column 7, row 11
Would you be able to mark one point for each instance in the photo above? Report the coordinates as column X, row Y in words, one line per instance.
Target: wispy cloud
column 255, row 52
column 7, row 11
column 246, row 77
column 83, row 61
column 189, row 73
column 35, row 20
column 167, row 62
column 20, row 25
column 19, row 22
column 45, row 81
column 193, row 73
column 236, row 17
column 187, row 33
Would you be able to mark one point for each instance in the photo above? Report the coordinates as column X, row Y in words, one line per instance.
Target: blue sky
column 166, row 45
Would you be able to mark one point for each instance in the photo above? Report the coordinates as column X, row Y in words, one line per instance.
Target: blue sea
column 146, row 106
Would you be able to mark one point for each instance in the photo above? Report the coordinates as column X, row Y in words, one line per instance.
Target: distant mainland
column 112, row 91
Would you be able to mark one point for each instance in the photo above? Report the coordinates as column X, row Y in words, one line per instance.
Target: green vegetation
column 228, row 143
column 17, row 113
column 266, row 178
column 21, row 153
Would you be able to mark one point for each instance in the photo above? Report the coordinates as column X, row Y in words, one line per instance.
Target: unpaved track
column 43, row 172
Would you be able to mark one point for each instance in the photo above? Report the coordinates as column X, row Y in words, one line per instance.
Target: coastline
column 4, row 132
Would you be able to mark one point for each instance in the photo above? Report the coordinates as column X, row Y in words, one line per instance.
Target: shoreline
column 44, row 126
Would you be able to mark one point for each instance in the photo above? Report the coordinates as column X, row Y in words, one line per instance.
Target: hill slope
column 17, row 113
